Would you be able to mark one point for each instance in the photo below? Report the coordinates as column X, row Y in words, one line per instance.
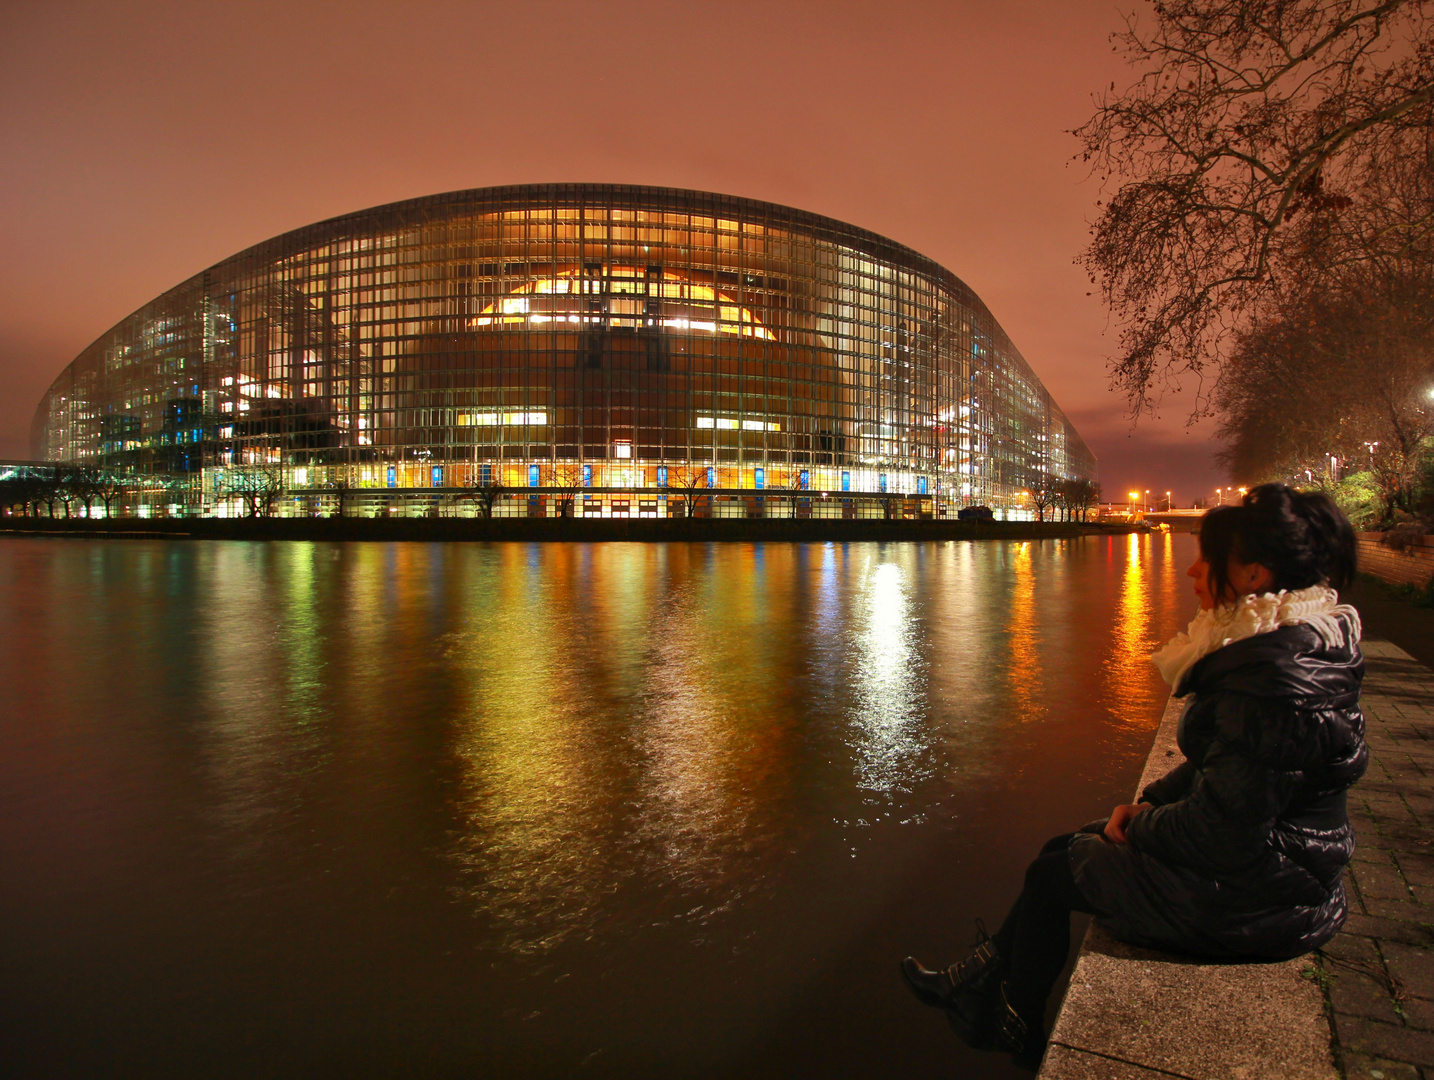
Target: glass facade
column 599, row 338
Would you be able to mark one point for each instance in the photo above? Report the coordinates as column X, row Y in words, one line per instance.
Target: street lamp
column 1168, row 505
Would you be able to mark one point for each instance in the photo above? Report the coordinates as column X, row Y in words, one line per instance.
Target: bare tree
column 68, row 485
column 793, row 485
column 342, row 488
column 1043, row 495
column 1342, row 374
column 109, row 491
column 568, row 480
column 1258, row 132
column 30, row 493
column 1080, row 495
column 258, row 487
column 691, row 482
column 85, row 486
column 488, row 495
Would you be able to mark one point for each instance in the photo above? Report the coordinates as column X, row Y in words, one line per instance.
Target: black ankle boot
column 1022, row 1037
column 966, row 992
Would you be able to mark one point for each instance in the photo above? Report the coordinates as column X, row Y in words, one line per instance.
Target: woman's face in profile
column 1200, row 571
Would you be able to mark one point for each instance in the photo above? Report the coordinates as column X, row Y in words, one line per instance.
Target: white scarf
column 1318, row 607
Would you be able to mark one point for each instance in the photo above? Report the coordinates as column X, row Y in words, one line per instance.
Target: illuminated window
column 677, row 304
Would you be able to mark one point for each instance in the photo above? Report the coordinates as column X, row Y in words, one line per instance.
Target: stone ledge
column 1137, row 1013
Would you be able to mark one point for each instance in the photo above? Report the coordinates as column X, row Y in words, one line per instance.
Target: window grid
column 622, row 329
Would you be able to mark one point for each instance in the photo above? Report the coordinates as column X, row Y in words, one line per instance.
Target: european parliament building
column 619, row 344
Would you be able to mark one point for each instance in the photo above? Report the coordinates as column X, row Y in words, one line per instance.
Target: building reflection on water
column 662, row 720
column 1149, row 575
column 598, row 739
column 1022, row 637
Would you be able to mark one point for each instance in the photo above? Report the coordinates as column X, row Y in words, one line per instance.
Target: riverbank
column 1393, row 616
column 1363, row 1006
column 587, row 530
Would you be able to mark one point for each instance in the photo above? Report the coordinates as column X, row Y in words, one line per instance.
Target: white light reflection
column 889, row 684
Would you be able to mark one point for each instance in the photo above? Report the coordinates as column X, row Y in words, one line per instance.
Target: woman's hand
column 1120, row 817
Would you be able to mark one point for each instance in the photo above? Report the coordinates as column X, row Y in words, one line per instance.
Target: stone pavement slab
column 1379, row 971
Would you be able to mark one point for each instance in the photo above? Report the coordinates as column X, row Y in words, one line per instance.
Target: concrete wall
column 1413, row 566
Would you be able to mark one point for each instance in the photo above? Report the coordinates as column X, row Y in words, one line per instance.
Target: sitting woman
column 1238, row 852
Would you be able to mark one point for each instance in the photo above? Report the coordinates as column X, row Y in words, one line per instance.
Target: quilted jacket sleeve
column 1223, row 825
column 1172, row 786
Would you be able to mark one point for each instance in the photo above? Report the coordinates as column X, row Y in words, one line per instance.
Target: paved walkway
column 1379, row 972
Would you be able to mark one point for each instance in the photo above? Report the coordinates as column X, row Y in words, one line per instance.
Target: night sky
column 142, row 142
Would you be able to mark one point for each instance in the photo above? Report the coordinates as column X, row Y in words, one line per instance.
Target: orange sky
column 142, row 142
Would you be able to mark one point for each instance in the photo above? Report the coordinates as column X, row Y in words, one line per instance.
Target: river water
column 291, row 809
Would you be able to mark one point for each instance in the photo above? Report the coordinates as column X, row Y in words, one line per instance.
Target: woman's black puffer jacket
column 1243, row 854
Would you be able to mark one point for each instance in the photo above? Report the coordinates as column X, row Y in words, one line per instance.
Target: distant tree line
column 67, row 492
column 1065, row 499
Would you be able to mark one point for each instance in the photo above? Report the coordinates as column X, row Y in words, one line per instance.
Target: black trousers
column 1036, row 936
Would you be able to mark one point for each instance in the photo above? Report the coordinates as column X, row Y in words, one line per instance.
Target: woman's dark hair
column 1302, row 537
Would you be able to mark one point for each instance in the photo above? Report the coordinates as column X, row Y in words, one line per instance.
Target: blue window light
column 438, row 476
column 587, row 476
column 759, row 477
column 804, row 478
column 881, row 482
column 532, row 476
column 662, row 476
column 846, row 481
column 921, row 485
column 711, row 477
column 486, row 474
column 392, row 476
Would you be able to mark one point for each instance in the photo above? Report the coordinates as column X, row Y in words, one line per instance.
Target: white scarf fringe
column 1317, row 607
